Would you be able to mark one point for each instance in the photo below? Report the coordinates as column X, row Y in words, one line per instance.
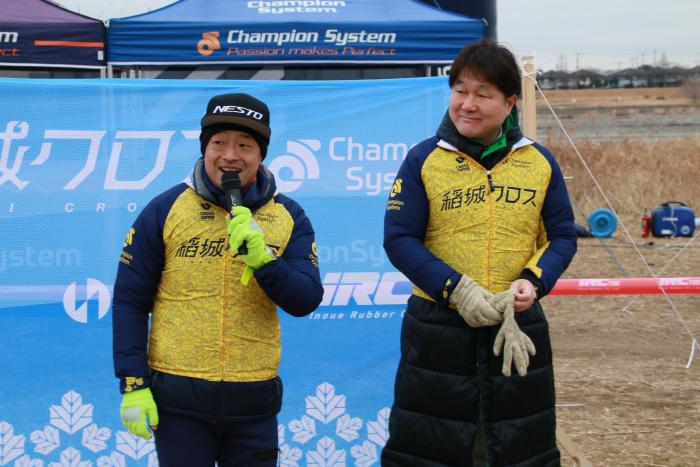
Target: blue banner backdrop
column 79, row 159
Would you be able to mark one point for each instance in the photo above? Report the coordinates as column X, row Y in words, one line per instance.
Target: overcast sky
column 603, row 34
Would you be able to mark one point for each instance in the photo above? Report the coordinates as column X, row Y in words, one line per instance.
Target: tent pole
column 529, row 106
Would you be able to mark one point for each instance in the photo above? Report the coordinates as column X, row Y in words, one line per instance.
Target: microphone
column 231, row 184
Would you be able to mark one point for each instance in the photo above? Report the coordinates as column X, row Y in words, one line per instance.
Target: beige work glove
column 517, row 347
column 472, row 303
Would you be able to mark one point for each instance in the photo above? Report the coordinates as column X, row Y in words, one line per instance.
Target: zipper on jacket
column 222, row 313
column 490, row 235
column 488, row 175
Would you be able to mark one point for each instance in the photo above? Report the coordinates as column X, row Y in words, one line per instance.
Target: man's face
column 478, row 108
column 232, row 150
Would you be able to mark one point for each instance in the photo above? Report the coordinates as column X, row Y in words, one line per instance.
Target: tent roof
column 364, row 11
column 289, row 31
column 39, row 33
column 109, row 9
column 38, row 11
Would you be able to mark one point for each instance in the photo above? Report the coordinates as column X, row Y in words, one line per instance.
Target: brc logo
column 365, row 288
column 599, row 283
column 300, row 161
column 679, row 282
column 209, row 43
column 94, row 288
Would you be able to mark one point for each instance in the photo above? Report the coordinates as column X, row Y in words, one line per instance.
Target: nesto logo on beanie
column 242, row 110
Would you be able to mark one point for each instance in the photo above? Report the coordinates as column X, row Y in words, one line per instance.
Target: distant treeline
column 641, row 77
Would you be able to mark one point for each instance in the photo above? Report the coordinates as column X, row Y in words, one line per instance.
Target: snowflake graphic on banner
column 322, row 437
column 71, row 421
column 326, row 412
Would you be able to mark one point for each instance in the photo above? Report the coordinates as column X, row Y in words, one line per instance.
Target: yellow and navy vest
column 447, row 215
column 205, row 323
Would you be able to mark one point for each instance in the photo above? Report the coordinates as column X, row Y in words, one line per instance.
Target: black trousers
column 183, row 441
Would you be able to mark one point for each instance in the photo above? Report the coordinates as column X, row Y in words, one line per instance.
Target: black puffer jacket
column 448, row 379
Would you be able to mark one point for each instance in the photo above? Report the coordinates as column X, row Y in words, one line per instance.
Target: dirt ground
column 624, row 394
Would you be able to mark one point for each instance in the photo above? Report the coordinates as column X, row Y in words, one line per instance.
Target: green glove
column 136, row 406
column 243, row 228
column 472, row 303
column 516, row 345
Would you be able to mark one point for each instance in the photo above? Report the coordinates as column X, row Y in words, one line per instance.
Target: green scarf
column 510, row 134
column 510, row 122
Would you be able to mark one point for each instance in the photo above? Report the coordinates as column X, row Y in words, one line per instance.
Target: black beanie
column 240, row 112
column 209, row 131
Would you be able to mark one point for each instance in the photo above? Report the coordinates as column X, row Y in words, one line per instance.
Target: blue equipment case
column 672, row 219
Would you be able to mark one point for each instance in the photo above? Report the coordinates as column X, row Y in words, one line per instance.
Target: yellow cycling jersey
column 205, row 324
column 177, row 268
column 448, row 215
column 487, row 231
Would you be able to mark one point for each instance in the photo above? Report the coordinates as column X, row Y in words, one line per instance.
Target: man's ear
column 511, row 101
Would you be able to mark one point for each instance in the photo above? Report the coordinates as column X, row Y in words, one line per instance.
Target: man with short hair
column 479, row 220
column 204, row 377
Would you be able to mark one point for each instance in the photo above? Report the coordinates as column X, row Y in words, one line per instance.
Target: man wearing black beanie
column 204, row 376
column 237, row 112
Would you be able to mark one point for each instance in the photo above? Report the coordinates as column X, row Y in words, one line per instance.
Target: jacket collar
column 257, row 194
column 510, row 135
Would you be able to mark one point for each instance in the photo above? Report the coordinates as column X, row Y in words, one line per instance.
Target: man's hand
column 136, row 406
column 473, row 305
column 516, row 345
column 525, row 294
column 243, row 228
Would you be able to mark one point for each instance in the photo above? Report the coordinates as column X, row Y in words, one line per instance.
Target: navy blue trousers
column 183, row 441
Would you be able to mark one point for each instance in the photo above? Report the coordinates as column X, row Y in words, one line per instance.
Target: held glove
column 473, row 305
column 242, row 228
column 516, row 345
column 136, row 406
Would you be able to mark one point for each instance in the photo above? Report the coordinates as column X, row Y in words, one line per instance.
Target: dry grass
column 642, row 147
column 626, row 398
column 633, row 174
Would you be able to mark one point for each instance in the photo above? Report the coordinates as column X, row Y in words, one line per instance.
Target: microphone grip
column 243, row 249
column 233, row 199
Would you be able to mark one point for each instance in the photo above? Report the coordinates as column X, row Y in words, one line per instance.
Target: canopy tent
column 196, row 32
column 38, row 33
